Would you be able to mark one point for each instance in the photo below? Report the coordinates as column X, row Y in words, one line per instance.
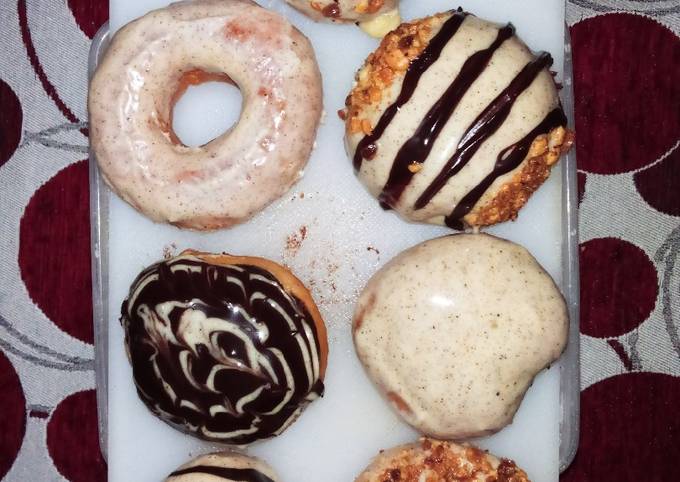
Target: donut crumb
column 294, row 241
column 169, row 250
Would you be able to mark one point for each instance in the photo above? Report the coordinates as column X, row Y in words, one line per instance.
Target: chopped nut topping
column 386, row 75
column 374, row 94
column 544, row 152
column 354, row 125
column 397, row 60
column 440, row 461
column 366, row 126
column 556, row 137
column 369, row 6
column 415, row 167
column 392, row 58
column 539, row 146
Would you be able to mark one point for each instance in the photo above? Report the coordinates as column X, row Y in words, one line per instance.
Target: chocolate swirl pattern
column 222, row 351
column 460, row 124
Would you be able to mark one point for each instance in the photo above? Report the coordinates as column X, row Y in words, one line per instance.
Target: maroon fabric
column 72, row 439
column 631, row 431
column 13, row 418
column 622, row 287
column 658, row 184
column 627, row 86
column 65, row 196
column 10, row 122
column 627, row 89
column 89, row 15
column 626, row 70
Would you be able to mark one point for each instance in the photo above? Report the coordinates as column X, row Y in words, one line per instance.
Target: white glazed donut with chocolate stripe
column 453, row 120
column 229, row 349
column 224, row 466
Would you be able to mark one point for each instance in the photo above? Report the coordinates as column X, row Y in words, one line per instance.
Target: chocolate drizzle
column 220, row 352
column 486, row 124
column 507, row 160
column 418, row 146
column 227, row 473
column 415, row 71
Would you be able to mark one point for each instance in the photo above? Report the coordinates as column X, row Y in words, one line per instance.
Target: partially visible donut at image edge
column 226, row 466
column 436, row 460
column 344, row 10
column 149, row 65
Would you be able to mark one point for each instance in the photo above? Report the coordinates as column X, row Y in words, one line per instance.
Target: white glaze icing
column 237, row 174
column 454, row 330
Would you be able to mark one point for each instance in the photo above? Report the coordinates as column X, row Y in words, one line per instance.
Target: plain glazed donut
column 453, row 331
column 150, row 63
column 344, row 10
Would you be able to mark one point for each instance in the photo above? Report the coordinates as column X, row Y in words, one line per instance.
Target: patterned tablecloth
column 627, row 84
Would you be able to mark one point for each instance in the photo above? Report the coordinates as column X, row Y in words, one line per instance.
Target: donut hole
column 205, row 107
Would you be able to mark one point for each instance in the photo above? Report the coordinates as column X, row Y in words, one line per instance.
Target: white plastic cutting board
column 347, row 238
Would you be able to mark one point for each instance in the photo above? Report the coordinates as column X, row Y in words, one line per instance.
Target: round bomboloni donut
column 224, row 466
column 453, row 331
column 150, row 63
column 437, row 461
column 229, row 349
column 453, row 120
column 344, row 10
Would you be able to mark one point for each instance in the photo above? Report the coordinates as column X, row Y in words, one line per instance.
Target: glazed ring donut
column 433, row 461
column 344, row 10
column 147, row 67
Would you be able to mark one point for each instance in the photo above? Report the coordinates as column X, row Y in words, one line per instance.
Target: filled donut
column 437, row 461
column 146, row 68
column 453, row 120
column 228, row 349
column 344, row 10
column 453, row 330
column 226, row 467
